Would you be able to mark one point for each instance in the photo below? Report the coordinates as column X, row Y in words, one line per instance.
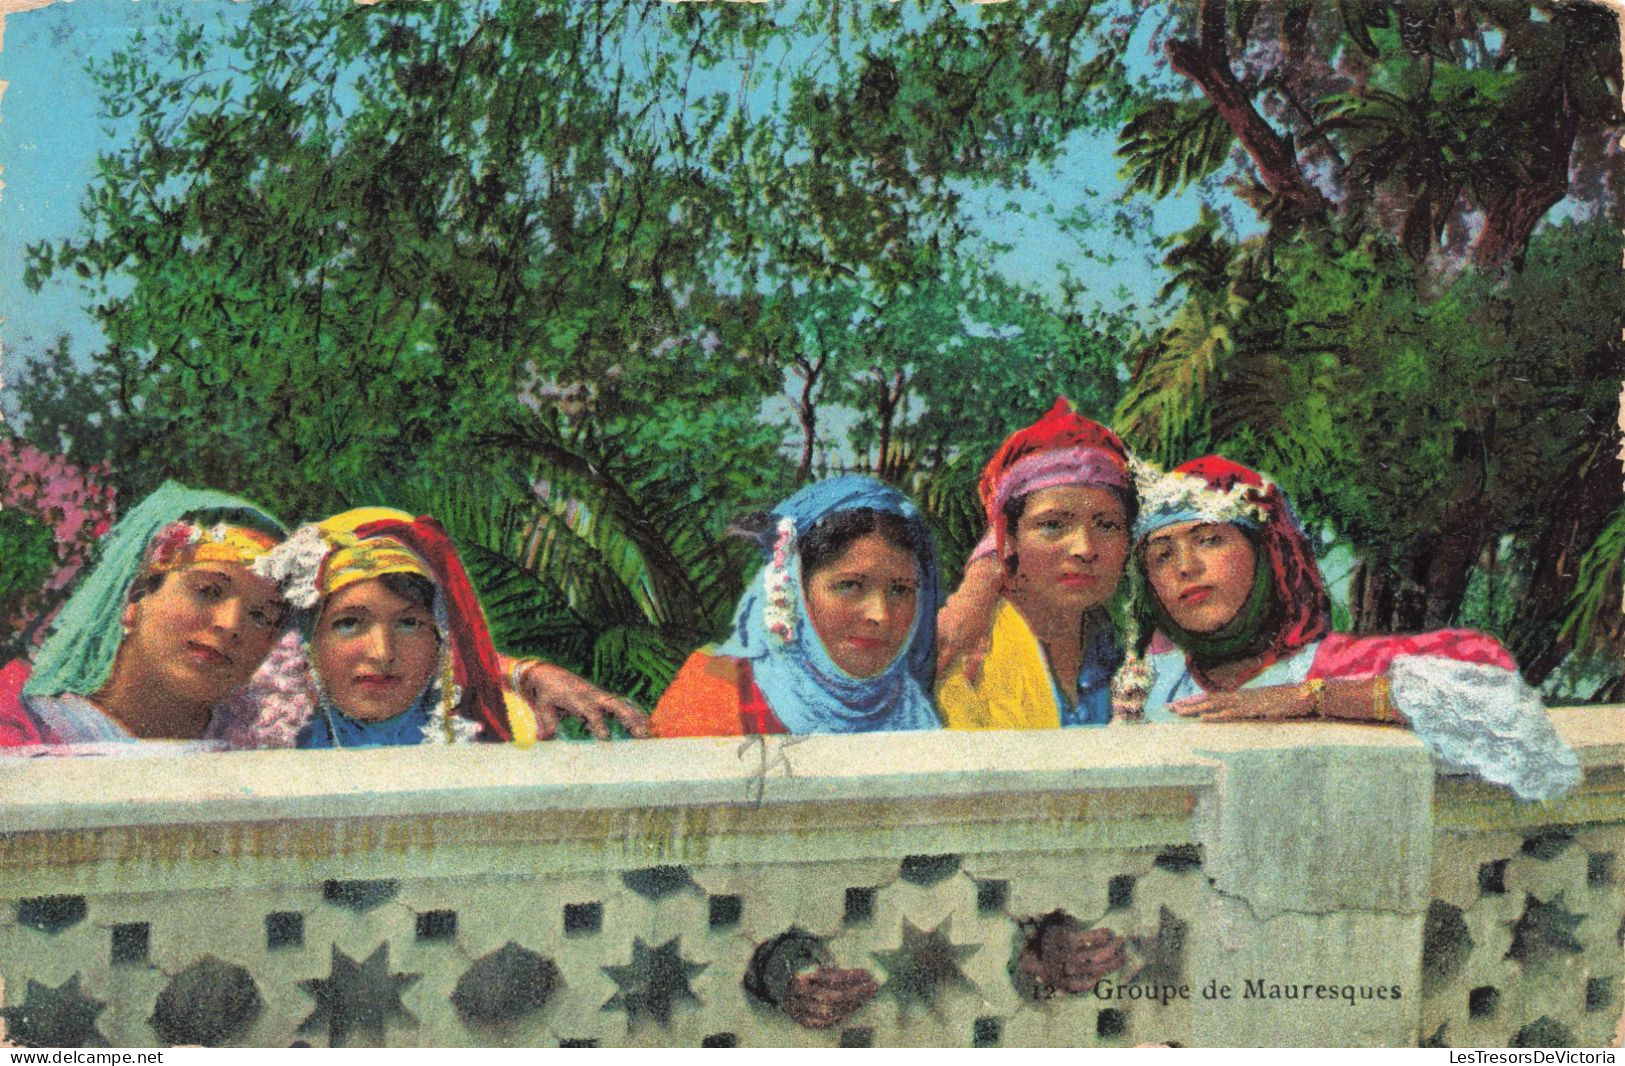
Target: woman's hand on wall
column 827, row 996
column 1272, row 703
column 552, row 691
column 1064, row 958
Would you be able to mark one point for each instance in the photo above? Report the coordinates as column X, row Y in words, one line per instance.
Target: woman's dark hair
column 1015, row 507
column 146, row 585
column 413, row 588
column 831, row 535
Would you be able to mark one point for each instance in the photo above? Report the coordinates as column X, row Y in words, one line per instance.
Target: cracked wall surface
column 1302, row 885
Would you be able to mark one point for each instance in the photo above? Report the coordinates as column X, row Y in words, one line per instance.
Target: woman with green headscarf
column 169, row 624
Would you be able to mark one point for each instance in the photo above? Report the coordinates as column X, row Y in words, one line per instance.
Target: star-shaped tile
column 365, row 996
column 55, row 1017
column 1544, row 931
column 924, row 965
column 653, row 983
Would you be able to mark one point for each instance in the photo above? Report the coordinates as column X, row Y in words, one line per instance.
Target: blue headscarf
column 771, row 628
column 331, row 728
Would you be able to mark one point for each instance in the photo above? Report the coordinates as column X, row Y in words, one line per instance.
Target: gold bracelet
column 517, row 673
column 1382, row 703
column 1313, row 689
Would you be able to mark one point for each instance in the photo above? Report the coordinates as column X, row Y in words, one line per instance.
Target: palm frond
column 1596, row 616
column 1172, row 143
column 948, row 497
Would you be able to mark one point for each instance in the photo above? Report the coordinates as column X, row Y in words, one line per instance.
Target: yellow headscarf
column 353, row 560
column 182, row 544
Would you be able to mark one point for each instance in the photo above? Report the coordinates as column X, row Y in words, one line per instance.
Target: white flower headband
column 1169, row 496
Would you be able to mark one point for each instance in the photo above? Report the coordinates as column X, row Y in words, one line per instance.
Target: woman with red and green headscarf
column 1245, row 622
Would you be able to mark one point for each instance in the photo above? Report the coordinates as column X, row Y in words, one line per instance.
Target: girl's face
column 1201, row 572
column 375, row 652
column 1071, row 543
column 862, row 604
column 202, row 631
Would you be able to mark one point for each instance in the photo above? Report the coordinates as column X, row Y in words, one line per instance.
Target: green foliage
column 1421, row 422
column 28, row 544
column 1596, row 617
column 1172, row 143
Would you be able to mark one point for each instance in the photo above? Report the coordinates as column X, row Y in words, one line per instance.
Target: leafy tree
column 537, row 267
column 1424, row 119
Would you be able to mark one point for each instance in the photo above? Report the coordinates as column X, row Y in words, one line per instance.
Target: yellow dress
column 1014, row 690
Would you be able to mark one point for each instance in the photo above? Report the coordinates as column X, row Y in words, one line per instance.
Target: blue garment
column 1171, row 680
column 331, row 728
column 1100, row 661
column 802, row 684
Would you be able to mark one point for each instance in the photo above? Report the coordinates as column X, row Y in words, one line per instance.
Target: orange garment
column 713, row 696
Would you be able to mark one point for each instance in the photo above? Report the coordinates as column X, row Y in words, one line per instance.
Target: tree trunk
column 807, row 414
column 889, row 394
column 1512, row 209
column 1206, row 61
column 1589, row 491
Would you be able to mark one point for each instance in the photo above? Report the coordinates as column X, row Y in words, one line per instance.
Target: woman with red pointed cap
column 1239, row 599
column 1059, row 501
column 396, row 642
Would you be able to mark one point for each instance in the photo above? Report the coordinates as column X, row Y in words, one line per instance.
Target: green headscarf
column 78, row 655
column 1245, row 635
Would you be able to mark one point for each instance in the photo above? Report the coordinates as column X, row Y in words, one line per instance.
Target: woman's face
column 202, row 631
column 862, row 604
column 375, row 651
column 1071, row 544
column 1201, row 572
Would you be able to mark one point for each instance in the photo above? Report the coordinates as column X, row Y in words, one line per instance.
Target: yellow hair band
column 181, row 544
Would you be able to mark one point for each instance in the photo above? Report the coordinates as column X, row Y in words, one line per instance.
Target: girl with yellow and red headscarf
column 396, row 641
column 1245, row 622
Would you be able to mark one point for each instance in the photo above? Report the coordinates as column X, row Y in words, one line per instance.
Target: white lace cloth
column 1484, row 720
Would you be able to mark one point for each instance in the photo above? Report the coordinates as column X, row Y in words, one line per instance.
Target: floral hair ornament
column 1183, row 495
column 319, row 559
column 779, row 603
column 180, row 544
column 1215, row 489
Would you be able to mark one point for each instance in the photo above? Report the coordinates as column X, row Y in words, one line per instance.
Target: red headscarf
column 1062, row 448
column 476, row 668
column 1205, row 489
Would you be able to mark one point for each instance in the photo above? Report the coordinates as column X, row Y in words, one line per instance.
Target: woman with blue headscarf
column 835, row 633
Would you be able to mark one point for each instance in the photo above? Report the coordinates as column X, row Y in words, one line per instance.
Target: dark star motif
column 1544, row 931
column 55, row 1017
column 653, row 983
column 924, row 965
column 365, row 996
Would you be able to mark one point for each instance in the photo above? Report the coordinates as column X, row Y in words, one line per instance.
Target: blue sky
column 49, row 138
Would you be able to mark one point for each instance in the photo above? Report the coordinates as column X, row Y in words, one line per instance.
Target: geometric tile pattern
column 1523, row 946
column 1523, row 941
column 654, row 956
